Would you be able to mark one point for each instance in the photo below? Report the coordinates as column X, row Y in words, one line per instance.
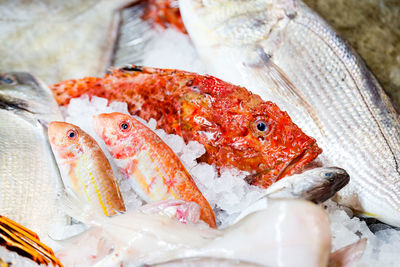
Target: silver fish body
column 57, row 40
column 30, row 182
column 283, row 51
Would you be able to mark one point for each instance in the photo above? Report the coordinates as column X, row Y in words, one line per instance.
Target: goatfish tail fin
column 80, row 209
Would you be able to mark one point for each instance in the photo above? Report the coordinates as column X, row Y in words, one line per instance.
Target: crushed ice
column 227, row 193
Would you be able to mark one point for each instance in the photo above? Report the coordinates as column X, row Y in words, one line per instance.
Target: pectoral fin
column 265, row 68
column 348, row 255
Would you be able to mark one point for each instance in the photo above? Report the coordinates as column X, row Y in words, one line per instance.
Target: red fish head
column 65, row 140
column 241, row 130
column 122, row 133
column 285, row 147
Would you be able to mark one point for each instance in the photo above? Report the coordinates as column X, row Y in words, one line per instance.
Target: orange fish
column 151, row 166
column 164, row 13
column 237, row 128
column 26, row 243
column 84, row 167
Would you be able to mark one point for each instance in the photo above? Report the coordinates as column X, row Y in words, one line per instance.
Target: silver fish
column 56, row 40
column 283, row 51
column 30, row 182
column 373, row 29
column 316, row 184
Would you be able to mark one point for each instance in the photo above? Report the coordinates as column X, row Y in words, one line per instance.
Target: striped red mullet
column 150, row 165
column 85, row 168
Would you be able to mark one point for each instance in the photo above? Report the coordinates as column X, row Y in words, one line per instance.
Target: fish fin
column 260, row 204
column 134, row 35
column 284, row 86
column 78, row 208
column 25, row 242
column 348, row 255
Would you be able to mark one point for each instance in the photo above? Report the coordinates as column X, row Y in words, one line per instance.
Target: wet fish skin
column 316, row 184
column 152, row 239
column 283, row 51
column 30, row 181
column 222, row 117
column 153, row 169
column 85, row 168
column 57, row 40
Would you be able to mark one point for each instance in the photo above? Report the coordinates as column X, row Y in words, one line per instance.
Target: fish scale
column 360, row 130
column 28, row 175
column 153, row 169
column 85, row 169
column 359, row 119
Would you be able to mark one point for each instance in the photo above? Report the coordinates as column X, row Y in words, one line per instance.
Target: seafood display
column 150, row 165
column 285, row 52
column 141, row 238
column 85, row 168
column 17, row 238
column 168, row 166
column 30, row 181
column 237, row 128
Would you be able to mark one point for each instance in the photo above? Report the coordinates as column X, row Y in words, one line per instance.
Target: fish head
column 66, row 140
column 267, row 141
column 22, row 91
column 241, row 130
column 122, row 133
column 217, row 22
column 227, row 32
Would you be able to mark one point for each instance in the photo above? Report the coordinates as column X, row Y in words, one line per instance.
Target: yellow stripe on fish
column 79, row 153
column 152, row 167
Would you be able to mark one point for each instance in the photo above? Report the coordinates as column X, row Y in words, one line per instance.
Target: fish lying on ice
column 236, row 127
column 316, row 184
column 26, row 243
column 58, row 39
column 151, row 166
column 284, row 52
column 30, row 181
column 84, row 167
column 148, row 239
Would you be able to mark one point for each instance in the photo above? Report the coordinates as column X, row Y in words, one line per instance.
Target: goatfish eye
column 7, row 79
column 71, row 134
column 124, row 126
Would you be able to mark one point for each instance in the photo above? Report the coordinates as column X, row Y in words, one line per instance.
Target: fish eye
column 71, row 134
column 124, row 126
column 7, row 79
column 262, row 126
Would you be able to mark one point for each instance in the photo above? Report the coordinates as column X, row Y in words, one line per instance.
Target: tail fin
column 26, row 243
column 81, row 210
